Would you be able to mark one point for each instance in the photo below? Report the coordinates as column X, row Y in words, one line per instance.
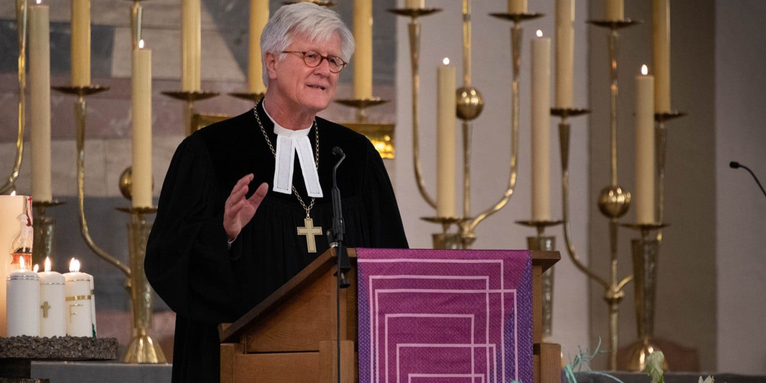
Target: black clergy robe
column 188, row 260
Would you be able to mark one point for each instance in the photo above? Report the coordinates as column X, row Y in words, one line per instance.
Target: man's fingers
column 235, row 208
column 259, row 194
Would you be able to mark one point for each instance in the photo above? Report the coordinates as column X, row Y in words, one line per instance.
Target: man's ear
column 271, row 60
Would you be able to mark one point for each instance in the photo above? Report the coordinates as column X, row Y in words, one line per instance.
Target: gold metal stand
column 545, row 243
column 445, row 239
column 190, row 97
column 21, row 26
column 141, row 348
column 44, row 228
column 645, row 251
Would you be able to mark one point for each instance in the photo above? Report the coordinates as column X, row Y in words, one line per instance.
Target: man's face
column 300, row 87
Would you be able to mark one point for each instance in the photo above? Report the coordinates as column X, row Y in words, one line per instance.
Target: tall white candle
column 445, row 140
column 52, row 302
column 414, row 4
column 644, row 147
column 191, row 53
column 40, row 94
column 565, row 15
column 259, row 16
column 363, row 53
column 541, row 132
column 78, row 302
column 142, row 127
column 11, row 206
column 23, row 289
column 662, row 55
column 615, row 10
column 517, row 6
column 81, row 42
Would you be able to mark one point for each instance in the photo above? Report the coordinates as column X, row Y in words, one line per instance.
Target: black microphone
column 737, row 165
column 336, row 234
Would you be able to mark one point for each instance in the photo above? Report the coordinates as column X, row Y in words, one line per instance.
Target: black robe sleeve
column 385, row 222
column 187, row 256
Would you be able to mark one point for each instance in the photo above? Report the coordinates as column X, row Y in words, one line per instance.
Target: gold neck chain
column 274, row 153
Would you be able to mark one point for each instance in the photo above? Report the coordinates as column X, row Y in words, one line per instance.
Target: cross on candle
column 310, row 232
column 45, row 306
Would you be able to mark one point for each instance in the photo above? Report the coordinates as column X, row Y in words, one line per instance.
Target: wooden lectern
column 290, row 337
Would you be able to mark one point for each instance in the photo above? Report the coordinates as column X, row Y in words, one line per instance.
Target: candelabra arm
column 414, row 28
column 516, row 43
column 21, row 22
column 80, row 114
column 564, row 134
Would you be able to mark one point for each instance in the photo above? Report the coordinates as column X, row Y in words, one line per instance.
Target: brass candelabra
column 21, row 23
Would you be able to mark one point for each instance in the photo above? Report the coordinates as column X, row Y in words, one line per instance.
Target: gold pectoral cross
column 310, row 231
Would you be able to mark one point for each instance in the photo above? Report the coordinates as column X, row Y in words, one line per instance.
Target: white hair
column 317, row 23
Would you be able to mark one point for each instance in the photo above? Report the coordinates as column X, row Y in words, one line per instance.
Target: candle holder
column 445, row 239
column 661, row 145
column 317, row 2
column 141, row 348
column 414, row 28
column 544, row 243
column 361, row 105
column 645, row 252
column 44, row 228
column 190, row 97
column 380, row 134
column 21, row 25
column 253, row 97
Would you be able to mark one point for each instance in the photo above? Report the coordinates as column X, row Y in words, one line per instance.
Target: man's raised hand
column 240, row 210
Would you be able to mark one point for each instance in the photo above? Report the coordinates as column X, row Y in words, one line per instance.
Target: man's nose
column 324, row 67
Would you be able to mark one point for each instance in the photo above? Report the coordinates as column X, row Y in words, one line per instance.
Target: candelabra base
column 638, row 352
column 142, row 349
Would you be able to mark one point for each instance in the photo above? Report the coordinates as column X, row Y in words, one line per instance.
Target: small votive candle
column 78, row 301
column 52, row 302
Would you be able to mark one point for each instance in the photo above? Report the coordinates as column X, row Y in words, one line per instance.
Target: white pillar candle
column 259, row 16
column 52, row 302
column 142, row 127
column 191, row 45
column 93, row 304
column 615, row 10
column 363, row 53
column 661, row 29
column 445, row 139
column 541, row 132
column 81, row 42
column 415, row 4
column 23, row 289
column 644, row 147
column 40, row 107
column 78, row 301
column 517, row 6
column 565, row 14
column 11, row 206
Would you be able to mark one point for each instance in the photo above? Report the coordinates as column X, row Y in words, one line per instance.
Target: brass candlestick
column 661, row 146
column 21, row 25
column 190, row 97
column 382, row 135
column 645, row 252
column 613, row 201
column 445, row 239
column 44, row 228
column 141, row 348
column 545, row 243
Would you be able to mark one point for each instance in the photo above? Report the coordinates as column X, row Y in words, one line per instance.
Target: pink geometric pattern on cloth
column 454, row 316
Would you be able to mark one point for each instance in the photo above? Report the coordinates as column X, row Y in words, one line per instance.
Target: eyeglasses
column 313, row 59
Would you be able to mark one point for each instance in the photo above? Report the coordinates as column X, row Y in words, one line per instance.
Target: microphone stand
column 336, row 241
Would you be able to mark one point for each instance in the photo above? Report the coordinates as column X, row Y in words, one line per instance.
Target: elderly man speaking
column 236, row 202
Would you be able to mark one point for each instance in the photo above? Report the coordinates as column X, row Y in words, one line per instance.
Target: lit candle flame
column 39, row 2
column 539, row 33
column 446, row 61
column 13, row 193
column 141, row 44
column 37, row 267
column 47, row 264
column 22, row 266
column 74, row 265
column 644, row 70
